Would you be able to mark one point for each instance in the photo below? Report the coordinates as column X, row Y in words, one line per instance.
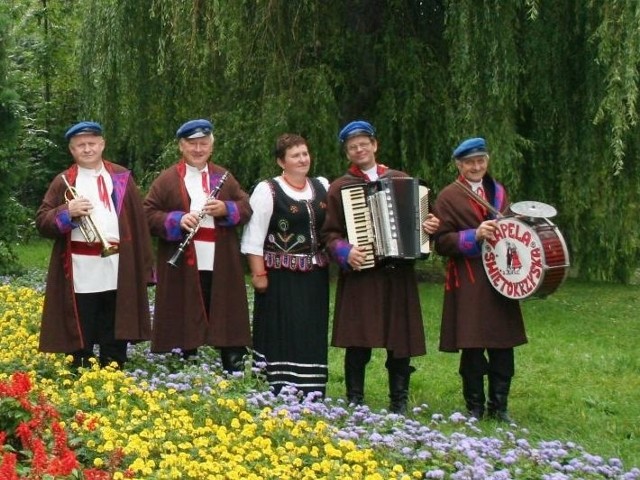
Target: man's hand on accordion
column 356, row 257
column 430, row 224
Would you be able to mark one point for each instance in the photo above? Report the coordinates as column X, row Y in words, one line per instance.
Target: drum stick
column 478, row 199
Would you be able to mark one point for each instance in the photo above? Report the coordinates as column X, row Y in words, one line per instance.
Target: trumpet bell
column 89, row 229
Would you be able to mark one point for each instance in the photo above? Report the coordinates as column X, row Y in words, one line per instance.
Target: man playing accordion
column 375, row 307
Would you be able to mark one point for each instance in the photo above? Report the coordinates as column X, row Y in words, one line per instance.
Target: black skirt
column 290, row 329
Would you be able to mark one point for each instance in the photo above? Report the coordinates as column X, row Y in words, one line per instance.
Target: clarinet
column 173, row 261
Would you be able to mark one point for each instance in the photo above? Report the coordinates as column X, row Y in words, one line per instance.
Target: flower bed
column 164, row 418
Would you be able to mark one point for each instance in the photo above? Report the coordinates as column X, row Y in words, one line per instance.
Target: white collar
column 192, row 169
column 475, row 185
column 91, row 172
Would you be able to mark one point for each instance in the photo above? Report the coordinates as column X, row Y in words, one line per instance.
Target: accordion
column 385, row 218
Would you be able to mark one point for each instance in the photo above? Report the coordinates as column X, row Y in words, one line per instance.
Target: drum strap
column 478, row 199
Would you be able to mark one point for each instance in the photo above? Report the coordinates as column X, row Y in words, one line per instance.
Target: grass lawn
column 578, row 378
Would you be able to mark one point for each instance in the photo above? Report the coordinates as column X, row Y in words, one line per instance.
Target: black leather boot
column 473, row 393
column 354, row 381
column 399, row 387
column 233, row 359
column 499, row 387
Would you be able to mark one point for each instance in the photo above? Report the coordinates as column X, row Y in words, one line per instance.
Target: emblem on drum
column 518, row 260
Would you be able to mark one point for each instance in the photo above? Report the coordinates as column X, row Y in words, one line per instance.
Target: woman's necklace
column 295, row 187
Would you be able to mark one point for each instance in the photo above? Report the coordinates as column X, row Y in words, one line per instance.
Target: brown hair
column 285, row 142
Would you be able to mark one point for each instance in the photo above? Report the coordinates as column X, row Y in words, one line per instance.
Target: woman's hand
column 260, row 282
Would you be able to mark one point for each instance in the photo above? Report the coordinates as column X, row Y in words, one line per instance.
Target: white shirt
column 372, row 173
column 92, row 273
column 205, row 251
column 255, row 232
column 475, row 185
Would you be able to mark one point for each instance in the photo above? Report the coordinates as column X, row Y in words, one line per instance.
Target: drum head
column 525, row 260
column 533, row 209
column 514, row 260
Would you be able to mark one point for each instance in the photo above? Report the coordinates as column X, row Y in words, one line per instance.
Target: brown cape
column 377, row 307
column 474, row 314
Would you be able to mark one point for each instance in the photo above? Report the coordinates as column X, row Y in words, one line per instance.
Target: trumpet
column 88, row 227
column 173, row 261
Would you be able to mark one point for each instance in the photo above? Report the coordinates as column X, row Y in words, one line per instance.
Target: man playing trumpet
column 101, row 260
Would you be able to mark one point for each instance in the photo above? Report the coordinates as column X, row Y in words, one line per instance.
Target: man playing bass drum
column 476, row 318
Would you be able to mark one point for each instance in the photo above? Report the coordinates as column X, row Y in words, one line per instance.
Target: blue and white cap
column 355, row 128
column 470, row 148
column 83, row 128
column 195, row 129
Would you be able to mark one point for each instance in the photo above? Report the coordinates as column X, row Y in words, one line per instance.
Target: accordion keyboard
column 358, row 222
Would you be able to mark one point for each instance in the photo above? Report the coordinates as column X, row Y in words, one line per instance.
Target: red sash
column 205, row 234
column 84, row 248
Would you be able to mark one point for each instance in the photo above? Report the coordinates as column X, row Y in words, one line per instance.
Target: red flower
column 94, row 474
column 8, row 467
column 18, row 386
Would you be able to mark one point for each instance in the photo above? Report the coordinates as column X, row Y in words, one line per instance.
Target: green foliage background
column 9, row 113
column 551, row 84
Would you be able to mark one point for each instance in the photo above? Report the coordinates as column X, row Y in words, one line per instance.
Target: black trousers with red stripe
column 232, row 357
column 97, row 312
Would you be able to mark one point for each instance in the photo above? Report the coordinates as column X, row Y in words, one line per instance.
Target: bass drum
column 526, row 259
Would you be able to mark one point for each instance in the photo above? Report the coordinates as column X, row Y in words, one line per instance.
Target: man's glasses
column 359, row 146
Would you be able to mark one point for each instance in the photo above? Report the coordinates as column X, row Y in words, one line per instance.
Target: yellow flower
column 164, row 433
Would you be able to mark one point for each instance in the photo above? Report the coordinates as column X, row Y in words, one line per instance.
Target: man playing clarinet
column 201, row 297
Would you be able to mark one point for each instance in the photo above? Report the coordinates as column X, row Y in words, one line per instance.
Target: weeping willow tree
column 261, row 68
column 551, row 84
column 247, row 66
column 580, row 117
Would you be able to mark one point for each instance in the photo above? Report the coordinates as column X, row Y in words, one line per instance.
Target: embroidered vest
column 293, row 239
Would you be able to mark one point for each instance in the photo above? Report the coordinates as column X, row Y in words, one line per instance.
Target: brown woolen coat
column 378, row 307
column 60, row 331
column 180, row 319
column 474, row 314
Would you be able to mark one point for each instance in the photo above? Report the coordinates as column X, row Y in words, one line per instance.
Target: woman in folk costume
column 289, row 271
